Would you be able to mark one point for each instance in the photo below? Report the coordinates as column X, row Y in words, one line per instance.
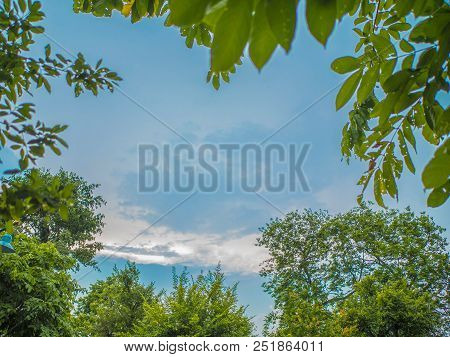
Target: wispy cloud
column 162, row 245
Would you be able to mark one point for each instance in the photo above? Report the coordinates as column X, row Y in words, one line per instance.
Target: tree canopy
column 74, row 227
column 203, row 306
column 399, row 71
column 122, row 306
column 323, row 269
column 112, row 306
column 37, row 291
column 389, row 309
column 360, row 273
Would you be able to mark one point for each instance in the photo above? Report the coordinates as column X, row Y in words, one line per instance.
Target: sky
column 165, row 78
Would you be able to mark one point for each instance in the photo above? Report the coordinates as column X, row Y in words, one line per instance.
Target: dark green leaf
column 439, row 195
column 262, row 40
column 184, row 12
column 348, row 89
column 345, row 64
column 378, row 188
column 282, row 17
column 231, row 35
column 368, row 81
column 321, row 17
column 405, row 152
column 437, row 171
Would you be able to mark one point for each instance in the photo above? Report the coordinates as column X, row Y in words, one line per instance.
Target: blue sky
column 169, row 80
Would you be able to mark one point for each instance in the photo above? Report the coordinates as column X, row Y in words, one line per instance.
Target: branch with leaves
column 21, row 74
column 398, row 89
column 399, row 73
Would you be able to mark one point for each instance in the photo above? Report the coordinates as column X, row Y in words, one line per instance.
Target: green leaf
column 22, row 5
column 383, row 46
column 48, row 51
column 64, row 212
column 321, row 17
column 142, row 6
column 387, row 68
column 396, row 81
column 437, row 171
column 262, row 40
column 408, row 133
column 345, row 64
column 214, row 12
column 439, row 195
column 282, row 17
column 388, row 176
column 344, row 7
column 442, row 125
column 406, row 46
column 56, row 150
column 429, row 29
column 368, row 81
column 347, row 90
column 405, row 152
column 404, row 7
column 9, row 227
column 231, row 35
column 135, row 15
column 216, row 82
column 184, row 12
column 378, row 188
column 400, row 26
column 23, row 163
column 405, row 100
column 408, row 61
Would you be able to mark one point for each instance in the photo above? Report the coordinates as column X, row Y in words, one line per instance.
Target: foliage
column 19, row 198
column 111, row 307
column 201, row 307
column 122, row 306
column 399, row 71
column 390, row 309
column 19, row 73
column 73, row 227
column 37, row 292
column 317, row 261
column 398, row 74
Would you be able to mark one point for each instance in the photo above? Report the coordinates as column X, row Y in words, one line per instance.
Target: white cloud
column 163, row 245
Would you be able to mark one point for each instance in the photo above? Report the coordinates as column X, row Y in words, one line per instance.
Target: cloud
column 163, row 245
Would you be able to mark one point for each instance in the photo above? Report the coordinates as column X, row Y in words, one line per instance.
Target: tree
column 399, row 71
column 122, row 306
column 321, row 264
column 201, row 307
column 74, row 227
column 390, row 309
column 111, row 307
column 19, row 73
column 36, row 289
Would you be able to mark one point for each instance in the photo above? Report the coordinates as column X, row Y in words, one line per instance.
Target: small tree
column 122, row 306
column 321, row 264
column 111, row 307
column 74, row 227
column 37, row 292
column 196, row 307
